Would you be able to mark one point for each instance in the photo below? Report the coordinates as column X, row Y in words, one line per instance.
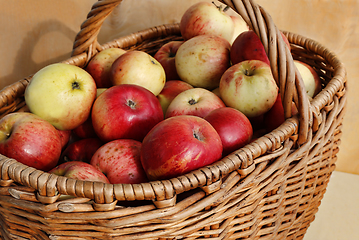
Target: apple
column 166, row 57
column 248, row 46
column 100, row 65
column 64, row 137
column 30, row 140
column 257, row 122
column 275, row 116
column 139, row 68
column 311, row 80
column 233, row 127
column 216, row 91
column 120, row 161
column 125, row 111
column 80, row 171
column 201, row 60
column 204, row 18
column 179, row 145
column 99, row 91
column 249, row 87
column 239, row 26
column 170, row 91
column 81, row 150
column 196, row 101
column 61, row 94
column 85, row 130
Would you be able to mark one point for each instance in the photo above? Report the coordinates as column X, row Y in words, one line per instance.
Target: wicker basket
column 269, row 189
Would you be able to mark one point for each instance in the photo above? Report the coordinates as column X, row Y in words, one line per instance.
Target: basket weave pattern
column 269, row 189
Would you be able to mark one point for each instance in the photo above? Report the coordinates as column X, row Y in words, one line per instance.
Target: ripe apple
column 80, row 171
column 249, row 87
column 257, row 122
column 99, row 91
column 85, row 130
column 233, row 127
column 311, row 79
column 275, row 116
column 125, row 111
column 239, row 26
column 179, row 145
column 201, row 60
column 30, row 140
column 120, row 161
column 205, row 18
column 100, row 65
column 64, row 137
column 196, row 101
column 81, row 150
column 170, row 91
column 139, row 68
column 166, row 57
column 216, row 91
column 248, row 46
column 62, row 94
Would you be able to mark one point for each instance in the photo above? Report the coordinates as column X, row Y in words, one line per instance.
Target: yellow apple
column 138, row 68
column 62, row 94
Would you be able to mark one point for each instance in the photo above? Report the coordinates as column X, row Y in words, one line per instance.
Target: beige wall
column 36, row 33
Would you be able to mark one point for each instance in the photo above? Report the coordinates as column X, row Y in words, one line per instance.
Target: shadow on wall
column 25, row 54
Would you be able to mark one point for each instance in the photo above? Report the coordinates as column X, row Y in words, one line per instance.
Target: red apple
column 312, row 82
column 275, row 116
column 120, row 161
column 139, row 68
column 205, row 18
column 125, row 111
column 249, row 87
column 216, row 91
column 170, row 91
column 30, row 140
column 81, row 150
column 233, row 127
column 179, row 145
column 100, row 65
column 85, row 130
column 80, row 171
column 201, row 60
column 64, row 136
column 248, row 46
column 257, row 122
column 196, row 101
column 166, row 57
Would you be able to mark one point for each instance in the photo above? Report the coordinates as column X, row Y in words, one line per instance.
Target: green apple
column 311, row 80
column 62, row 94
column 249, row 87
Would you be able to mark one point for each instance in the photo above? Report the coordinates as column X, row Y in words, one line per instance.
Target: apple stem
column 196, row 136
column 75, row 85
column 131, row 104
column 192, row 101
column 247, row 72
column 220, row 7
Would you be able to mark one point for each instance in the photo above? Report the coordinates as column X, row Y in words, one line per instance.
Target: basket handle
column 284, row 71
column 86, row 38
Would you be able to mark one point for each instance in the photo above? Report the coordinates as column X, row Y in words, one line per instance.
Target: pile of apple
column 129, row 117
